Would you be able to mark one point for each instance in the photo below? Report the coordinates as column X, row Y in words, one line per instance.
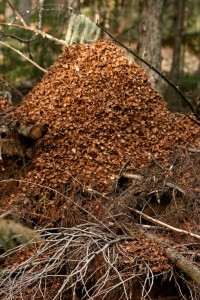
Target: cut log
column 18, row 139
column 33, row 131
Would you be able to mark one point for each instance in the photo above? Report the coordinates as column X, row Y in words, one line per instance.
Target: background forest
column 179, row 31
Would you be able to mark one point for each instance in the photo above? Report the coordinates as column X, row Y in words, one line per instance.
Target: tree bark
column 178, row 36
column 149, row 37
column 178, row 28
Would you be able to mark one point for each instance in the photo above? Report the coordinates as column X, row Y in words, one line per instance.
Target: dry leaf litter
column 101, row 112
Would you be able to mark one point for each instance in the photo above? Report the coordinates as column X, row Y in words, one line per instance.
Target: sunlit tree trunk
column 149, row 37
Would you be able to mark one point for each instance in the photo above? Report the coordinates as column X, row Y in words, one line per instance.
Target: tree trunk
column 25, row 5
column 178, row 34
column 149, row 37
column 178, row 28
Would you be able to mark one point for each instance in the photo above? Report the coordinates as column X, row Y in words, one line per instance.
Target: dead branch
column 7, row 213
column 9, row 86
column 189, row 149
column 179, row 260
column 163, row 224
column 167, row 183
column 132, row 176
column 175, row 186
column 82, row 248
column 24, row 56
column 37, row 32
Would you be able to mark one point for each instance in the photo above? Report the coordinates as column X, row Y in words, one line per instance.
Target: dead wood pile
column 101, row 112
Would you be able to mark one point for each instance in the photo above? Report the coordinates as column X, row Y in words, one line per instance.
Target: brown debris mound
column 101, row 112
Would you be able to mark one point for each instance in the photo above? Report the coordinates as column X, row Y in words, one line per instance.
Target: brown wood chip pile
column 101, row 112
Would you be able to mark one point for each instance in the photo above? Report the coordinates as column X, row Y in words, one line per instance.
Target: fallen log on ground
column 175, row 257
column 35, row 131
column 16, row 138
column 178, row 260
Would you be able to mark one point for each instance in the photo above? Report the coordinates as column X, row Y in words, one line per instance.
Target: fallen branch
column 7, row 213
column 178, row 260
column 189, row 149
column 132, row 176
column 167, row 183
column 163, row 224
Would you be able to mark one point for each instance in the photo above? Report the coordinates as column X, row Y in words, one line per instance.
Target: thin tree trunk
column 178, row 34
column 178, row 28
column 149, row 37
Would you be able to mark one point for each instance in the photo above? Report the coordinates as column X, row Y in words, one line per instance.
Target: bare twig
column 16, row 13
column 37, row 31
column 167, row 183
column 25, row 41
column 131, row 176
column 24, row 56
column 163, row 224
